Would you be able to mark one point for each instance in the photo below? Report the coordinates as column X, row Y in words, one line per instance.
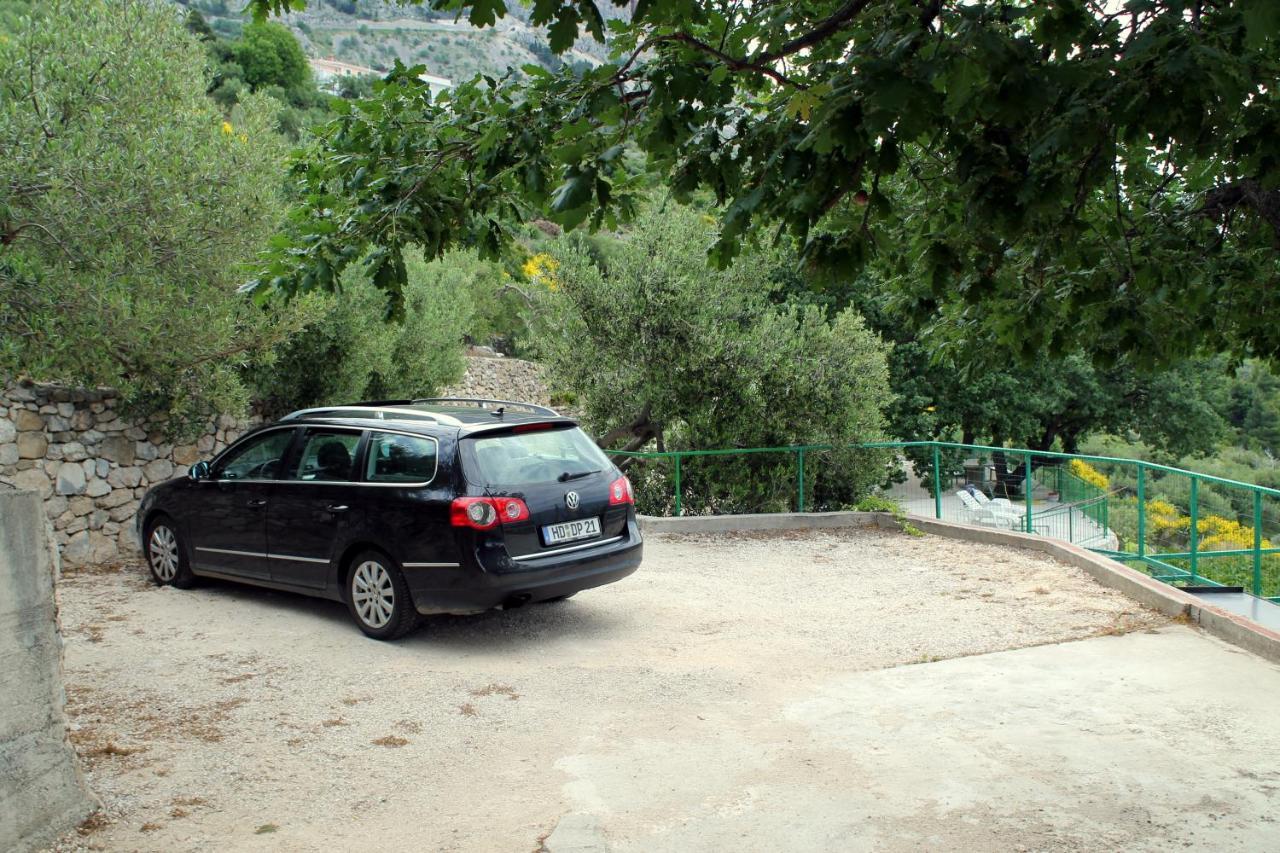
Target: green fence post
column 1257, row 543
column 679, row 502
column 937, row 483
column 1195, row 525
column 1071, row 526
column 1027, row 487
column 800, row 480
column 1142, row 510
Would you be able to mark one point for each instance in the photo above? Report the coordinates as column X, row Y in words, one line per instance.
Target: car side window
column 257, row 459
column 400, row 459
column 327, row 456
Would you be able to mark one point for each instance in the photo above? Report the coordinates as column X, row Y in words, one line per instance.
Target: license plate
column 571, row 531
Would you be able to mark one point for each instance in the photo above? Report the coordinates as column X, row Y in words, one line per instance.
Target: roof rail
column 485, row 403
column 361, row 410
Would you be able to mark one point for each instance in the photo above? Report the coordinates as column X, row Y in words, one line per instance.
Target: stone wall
column 42, row 792
column 89, row 465
column 501, row 379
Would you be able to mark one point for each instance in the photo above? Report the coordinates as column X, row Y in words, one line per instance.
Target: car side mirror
column 199, row 471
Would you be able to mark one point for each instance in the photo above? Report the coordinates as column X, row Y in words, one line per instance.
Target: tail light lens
column 486, row 513
column 620, row 492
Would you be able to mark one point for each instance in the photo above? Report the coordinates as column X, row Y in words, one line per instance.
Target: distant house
column 328, row 71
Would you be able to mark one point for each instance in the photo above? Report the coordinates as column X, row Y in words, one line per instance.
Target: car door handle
column 337, row 507
column 257, row 502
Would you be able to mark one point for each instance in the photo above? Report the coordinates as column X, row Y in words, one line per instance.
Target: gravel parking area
column 817, row 691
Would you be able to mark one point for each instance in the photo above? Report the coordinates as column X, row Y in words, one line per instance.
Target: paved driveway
column 816, row 691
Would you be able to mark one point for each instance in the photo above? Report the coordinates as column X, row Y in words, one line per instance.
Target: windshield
column 544, row 456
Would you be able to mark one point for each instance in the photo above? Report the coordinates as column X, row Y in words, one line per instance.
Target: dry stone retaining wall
column 90, row 466
column 502, row 379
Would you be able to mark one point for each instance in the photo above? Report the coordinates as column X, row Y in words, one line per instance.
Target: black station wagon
column 401, row 508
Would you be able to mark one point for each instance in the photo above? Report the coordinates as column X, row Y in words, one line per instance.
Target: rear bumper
column 471, row 590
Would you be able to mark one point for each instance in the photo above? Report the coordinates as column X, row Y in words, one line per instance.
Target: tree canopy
column 1059, row 175
column 129, row 210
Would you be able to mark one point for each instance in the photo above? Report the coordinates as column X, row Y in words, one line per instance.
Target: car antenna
column 498, row 412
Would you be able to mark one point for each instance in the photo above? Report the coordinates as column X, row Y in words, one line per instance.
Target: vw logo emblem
column 571, row 500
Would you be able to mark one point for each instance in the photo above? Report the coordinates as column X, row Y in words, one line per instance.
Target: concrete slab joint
column 42, row 791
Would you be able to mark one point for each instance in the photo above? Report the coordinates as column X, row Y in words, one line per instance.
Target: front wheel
column 166, row 557
column 379, row 598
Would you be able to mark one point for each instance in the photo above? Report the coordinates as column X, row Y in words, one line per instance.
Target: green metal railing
column 1181, row 527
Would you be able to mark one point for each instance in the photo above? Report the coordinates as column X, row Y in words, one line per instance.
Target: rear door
column 228, row 522
column 561, row 475
column 315, row 505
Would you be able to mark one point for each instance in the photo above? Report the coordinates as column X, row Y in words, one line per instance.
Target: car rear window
column 541, row 456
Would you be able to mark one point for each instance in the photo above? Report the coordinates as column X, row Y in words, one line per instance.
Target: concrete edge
column 1142, row 588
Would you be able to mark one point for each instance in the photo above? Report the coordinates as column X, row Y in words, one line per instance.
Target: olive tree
column 663, row 352
column 129, row 207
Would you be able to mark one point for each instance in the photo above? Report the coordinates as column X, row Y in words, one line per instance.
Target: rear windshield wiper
column 575, row 475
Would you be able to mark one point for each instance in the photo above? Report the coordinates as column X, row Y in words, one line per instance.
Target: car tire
column 378, row 597
column 166, row 554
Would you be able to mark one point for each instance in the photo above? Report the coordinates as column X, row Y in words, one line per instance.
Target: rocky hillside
column 375, row 34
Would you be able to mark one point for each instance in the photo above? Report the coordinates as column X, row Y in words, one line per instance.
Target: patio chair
column 989, row 514
column 1007, row 504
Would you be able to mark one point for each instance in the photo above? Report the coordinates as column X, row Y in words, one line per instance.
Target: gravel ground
column 228, row 717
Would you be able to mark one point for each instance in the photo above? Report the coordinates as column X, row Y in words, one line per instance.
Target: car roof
column 466, row 415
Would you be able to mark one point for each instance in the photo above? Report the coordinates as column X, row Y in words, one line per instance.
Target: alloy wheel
column 163, row 548
column 373, row 593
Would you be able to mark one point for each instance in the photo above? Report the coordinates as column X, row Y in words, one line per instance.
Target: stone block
column 70, row 479
column 50, row 467
column 28, row 421
column 20, row 393
column 66, row 410
column 102, row 468
column 158, row 470
column 97, row 407
column 115, row 498
column 90, row 467
column 73, row 451
column 145, row 450
column 34, row 479
column 74, row 525
column 97, row 518
column 113, row 425
column 8, row 432
column 31, row 445
column 82, row 420
column 111, row 528
column 205, row 443
column 8, row 452
column 124, row 512
column 76, row 551
column 91, row 436
column 135, row 433
column 186, row 454
column 57, row 423
column 53, row 453
column 96, row 488
column 80, row 505
column 55, row 506
column 125, row 477
column 118, row 449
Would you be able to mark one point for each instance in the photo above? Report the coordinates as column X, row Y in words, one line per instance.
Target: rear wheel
column 166, row 556
column 379, row 598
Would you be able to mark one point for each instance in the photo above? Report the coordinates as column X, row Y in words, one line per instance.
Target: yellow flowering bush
column 1089, row 474
column 542, row 269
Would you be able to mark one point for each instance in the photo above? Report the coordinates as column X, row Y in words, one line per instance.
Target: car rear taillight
column 620, row 492
column 486, row 513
